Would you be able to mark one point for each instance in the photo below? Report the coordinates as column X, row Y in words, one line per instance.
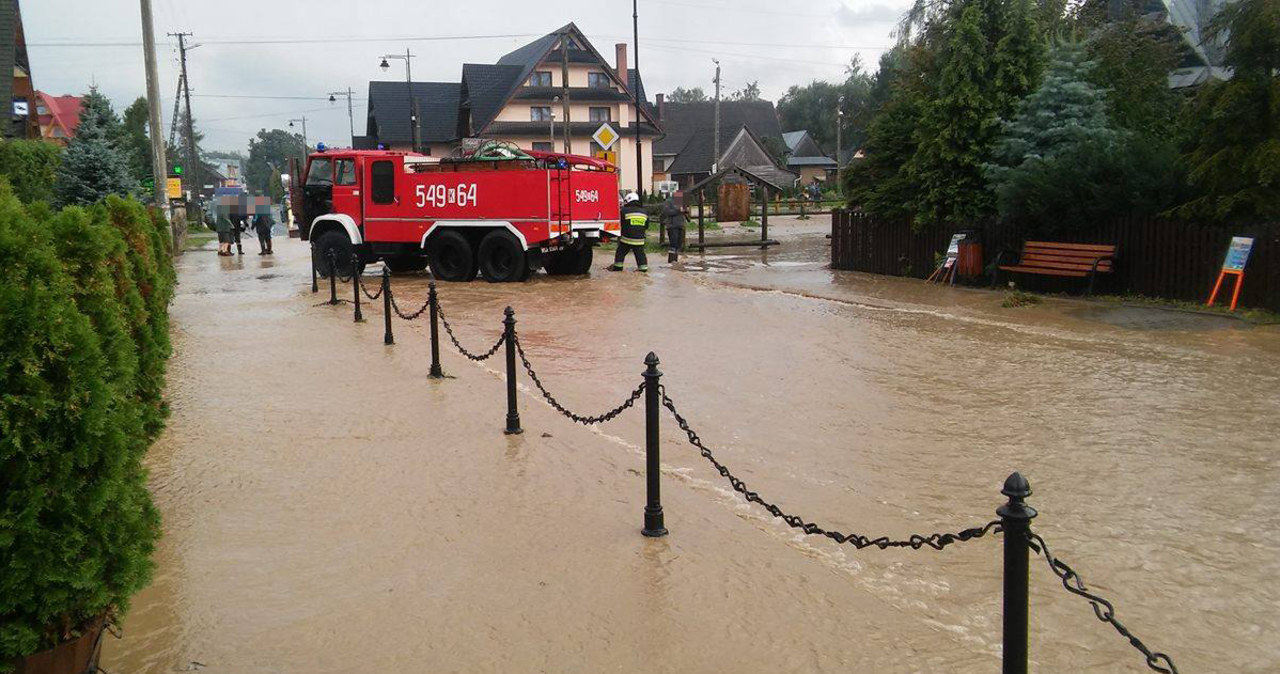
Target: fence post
column 653, row 524
column 333, row 277
column 1015, row 520
column 315, row 287
column 436, row 373
column 355, row 288
column 387, row 338
column 513, row 415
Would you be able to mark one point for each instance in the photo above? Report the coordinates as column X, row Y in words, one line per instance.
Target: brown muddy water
column 329, row 509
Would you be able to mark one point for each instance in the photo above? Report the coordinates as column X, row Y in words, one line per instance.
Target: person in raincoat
column 674, row 218
column 223, row 224
column 262, row 224
column 635, row 224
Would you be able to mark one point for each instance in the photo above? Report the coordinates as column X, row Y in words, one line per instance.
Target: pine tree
column 956, row 128
column 1061, row 162
column 94, row 165
column 1234, row 126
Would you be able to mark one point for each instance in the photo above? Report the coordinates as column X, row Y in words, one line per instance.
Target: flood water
column 327, row 508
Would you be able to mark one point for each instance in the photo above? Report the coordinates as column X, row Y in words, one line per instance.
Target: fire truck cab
column 499, row 212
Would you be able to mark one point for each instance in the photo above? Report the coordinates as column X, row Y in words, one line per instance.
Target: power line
column 738, row 9
column 713, row 52
column 268, row 114
column 764, row 44
column 286, row 41
column 272, row 98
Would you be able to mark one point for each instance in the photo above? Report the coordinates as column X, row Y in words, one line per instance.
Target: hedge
column 84, row 297
column 31, row 167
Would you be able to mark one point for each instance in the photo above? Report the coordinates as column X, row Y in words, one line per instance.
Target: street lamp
column 351, row 117
column 302, row 120
column 407, row 56
column 839, row 129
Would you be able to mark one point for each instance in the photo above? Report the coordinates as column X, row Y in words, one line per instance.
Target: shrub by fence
column 84, row 297
column 1156, row 258
column 1014, row 516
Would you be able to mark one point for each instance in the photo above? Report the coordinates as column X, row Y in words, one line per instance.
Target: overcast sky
column 240, row 88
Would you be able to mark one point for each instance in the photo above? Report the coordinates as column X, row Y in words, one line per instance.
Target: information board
column 1238, row 253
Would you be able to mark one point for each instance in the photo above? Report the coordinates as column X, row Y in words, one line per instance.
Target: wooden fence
column 1156, row 258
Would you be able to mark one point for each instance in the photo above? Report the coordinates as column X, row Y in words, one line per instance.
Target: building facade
column 552, row 94
column 17, row 91
column 750, row 137
column 58, row 116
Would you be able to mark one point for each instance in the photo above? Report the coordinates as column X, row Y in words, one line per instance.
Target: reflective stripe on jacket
column 635, row 222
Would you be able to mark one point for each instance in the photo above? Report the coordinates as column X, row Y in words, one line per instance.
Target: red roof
column 65, row 110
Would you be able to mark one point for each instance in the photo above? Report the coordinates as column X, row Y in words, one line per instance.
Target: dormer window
column 597, row 80
column 540, row 79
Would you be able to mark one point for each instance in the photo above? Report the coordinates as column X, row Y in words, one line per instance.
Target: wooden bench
column 1071, row 260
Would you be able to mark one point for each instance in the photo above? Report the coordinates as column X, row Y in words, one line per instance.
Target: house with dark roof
column 750, row 138
column 552, row 94
column 806, row 158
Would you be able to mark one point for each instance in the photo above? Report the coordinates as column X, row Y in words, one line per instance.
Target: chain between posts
column 449, row 331
column 1103, row 609
column 410, row 316
column 937, row 541
column 577, row 418
column 372, row 298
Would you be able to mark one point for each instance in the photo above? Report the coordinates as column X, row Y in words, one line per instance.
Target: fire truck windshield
column 321, row 172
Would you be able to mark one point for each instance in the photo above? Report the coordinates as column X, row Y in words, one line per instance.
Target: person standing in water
column 262, row 224
column 674, row 218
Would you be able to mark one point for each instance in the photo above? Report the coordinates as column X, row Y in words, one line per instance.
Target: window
column 41, row 110
column 540, row 114
column 543, row 146
column 600, row 114
column 382, row 176
column 346, row 171
column 540, row 79
column 321, row 172
column 597, row 80
column 58, row 132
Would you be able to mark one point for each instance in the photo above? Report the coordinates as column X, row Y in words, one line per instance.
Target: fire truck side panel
column 594, row 199
column 480, row 198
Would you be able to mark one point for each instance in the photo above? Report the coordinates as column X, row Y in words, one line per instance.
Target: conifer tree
column 94, row 164
column 1234, row 126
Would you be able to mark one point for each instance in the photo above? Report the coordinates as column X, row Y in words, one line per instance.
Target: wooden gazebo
column 752, row 177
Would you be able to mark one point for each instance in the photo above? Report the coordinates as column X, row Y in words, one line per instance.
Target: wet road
column 328, row 509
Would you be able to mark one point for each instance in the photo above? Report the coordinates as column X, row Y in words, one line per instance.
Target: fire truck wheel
column 569, row 262
column 452, row 258
column 405, row 264
column 341, row 247
column 502, row 258
column 581, row 260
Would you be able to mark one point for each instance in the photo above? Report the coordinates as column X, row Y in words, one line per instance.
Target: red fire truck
column 499, row 212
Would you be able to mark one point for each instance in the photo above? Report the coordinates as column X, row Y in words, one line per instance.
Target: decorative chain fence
column 1014, row 523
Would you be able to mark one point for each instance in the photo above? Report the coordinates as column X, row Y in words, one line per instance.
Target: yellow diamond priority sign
column 605, row 136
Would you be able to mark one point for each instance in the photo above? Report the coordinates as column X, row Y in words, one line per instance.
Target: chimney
column 660, row 100
column 621, row 51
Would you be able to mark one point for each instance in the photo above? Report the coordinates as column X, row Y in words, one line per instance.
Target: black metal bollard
column 355, row 287
column 333, row 277
column 387, row 338
column 1015, row 519
column 432, row 299
column 315, row 287
column 653, row 524
column 513, row 415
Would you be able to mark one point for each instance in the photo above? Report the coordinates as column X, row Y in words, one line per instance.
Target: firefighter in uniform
column 635, row 222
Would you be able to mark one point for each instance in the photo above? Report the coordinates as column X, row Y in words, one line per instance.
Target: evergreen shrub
column 84, row 296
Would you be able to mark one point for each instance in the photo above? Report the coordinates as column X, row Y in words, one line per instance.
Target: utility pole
column 177, row 107
column 564, row 90
column 635, row 27
column 192, row 174
column 158, row 170
column 715, row 159
column 351, row 115
column 839, row 130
